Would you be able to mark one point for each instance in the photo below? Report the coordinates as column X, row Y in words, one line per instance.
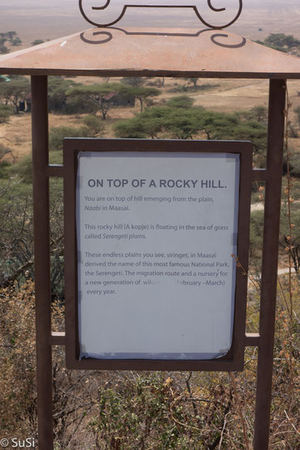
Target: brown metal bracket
column 195, row 8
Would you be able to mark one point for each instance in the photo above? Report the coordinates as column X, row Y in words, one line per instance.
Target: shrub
column 5, row 112
column 94, row 124
column 17, row 376
column 182, row 101
column 58, row 134
column 37, row 42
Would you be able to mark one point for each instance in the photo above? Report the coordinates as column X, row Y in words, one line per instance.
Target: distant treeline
column 11, row 38
column 282, row 42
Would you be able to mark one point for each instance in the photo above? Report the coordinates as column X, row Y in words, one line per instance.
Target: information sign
column 157, row 237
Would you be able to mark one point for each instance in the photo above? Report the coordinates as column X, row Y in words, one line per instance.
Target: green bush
column 5, row 112
column 4, row 50
column 152, row 410
column 37, row 42
column 58, row 134
column 23, row 169
column 16, row 42
column 55, row 157
column 281, row 40
column 182, row 101
column 4, row 174
column 94, row 124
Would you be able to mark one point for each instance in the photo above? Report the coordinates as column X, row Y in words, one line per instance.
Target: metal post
column 42, row 260
column 277, row 98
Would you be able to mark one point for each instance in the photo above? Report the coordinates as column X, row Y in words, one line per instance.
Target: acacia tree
column 10, row 36
column 16, row 42
column 140, row 93
column 14, row 91
column 3, row 48
column 158, row 122
column 281, row 40
column 57, row 90
column 184, row 122
column 98, row 94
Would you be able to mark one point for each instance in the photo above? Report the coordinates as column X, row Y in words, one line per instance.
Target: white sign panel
column 156, row 233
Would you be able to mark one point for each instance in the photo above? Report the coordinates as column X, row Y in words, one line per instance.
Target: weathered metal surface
column 42, row 260
column 161, row 52
column 85, row 12
column 277, row 102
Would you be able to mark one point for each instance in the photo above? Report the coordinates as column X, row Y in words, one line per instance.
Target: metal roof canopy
column 118, row 51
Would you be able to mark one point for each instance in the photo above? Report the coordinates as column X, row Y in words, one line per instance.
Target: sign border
column 234, row 359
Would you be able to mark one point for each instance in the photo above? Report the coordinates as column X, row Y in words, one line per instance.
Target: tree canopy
column 97, row 94
column 11, row 37
column 14, row 91
column 57, row 135
column 182, row 101
column 57, row 89
column 280, row 41
column 195, row 122
column 139, row 92
column 37, row 42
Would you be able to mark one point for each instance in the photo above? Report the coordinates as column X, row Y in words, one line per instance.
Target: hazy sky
column 49, row 19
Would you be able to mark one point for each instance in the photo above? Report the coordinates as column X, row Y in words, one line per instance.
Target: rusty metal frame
column 273, row 180
column 263, row 340
column 40, row 157
column 234, row 360
column 193, row 7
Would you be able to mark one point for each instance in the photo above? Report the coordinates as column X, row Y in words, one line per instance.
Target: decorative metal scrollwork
column 85, row 12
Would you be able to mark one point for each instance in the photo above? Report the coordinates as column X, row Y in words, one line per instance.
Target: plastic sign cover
column 156, row 235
